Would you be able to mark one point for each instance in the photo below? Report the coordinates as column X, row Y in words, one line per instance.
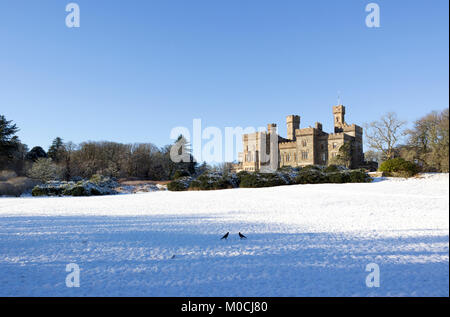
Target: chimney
column 318, row 126
column 293, row 123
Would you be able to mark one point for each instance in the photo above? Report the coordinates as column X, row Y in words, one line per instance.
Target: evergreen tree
column 182, row 152
column 36, row 153
column 56, row 150
column 9, row 145
column 8, row 139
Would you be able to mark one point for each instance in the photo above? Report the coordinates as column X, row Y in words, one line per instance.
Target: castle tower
column 339, row 118
column 293, row 123
column 272, row 128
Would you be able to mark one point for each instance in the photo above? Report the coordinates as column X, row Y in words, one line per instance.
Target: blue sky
column 136, row 69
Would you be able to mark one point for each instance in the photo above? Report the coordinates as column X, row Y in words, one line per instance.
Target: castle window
column 324, row 157
column 288, row 157
column 304, row 155
column 304, row 143
column 334, row 145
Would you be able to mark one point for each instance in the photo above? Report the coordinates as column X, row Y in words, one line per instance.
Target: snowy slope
column 303, row 240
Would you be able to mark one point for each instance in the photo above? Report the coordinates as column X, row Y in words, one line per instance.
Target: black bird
column 225, row 236
column 242, row 236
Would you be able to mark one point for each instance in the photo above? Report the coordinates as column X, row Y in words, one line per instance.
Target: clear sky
column 136, row 69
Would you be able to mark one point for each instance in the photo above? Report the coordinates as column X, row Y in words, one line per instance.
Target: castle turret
column 339, row 118
column 293, row 123
column 272, row 128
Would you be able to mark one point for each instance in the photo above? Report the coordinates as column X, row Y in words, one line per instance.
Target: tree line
column 69, row 161
column 426, row 143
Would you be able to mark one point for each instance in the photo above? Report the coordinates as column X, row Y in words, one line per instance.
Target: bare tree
column 384, row 134
column 428, row 142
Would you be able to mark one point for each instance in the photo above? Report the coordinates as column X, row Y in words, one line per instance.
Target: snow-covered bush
column 213, row 180
column 256, row 180
column 44, row 170
column 81, row 188
column 180, row 173
column 334, row 168
column 284, row 176
column 180, row 184
column 311, row 175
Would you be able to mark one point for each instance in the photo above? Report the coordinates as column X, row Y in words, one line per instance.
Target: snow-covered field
column 303, row 240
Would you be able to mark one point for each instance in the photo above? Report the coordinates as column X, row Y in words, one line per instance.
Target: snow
column 303, row 240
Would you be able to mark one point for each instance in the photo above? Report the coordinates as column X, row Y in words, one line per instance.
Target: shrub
column 44, row 170
column 359, row 176
column 311, row 167
column 209, row 181
column 257, row 180
column 180, row 184
column 331, row 169
column 311, row 175
column 102, row 181
column 399, row 167
column 338, row 177
column 49, row 189
column 96, row 178
column 78, row 190
column 180, row 173
column 38, row 191
column 81, row 188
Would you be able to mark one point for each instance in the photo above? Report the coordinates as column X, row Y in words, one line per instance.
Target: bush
column 359, row 176
column 48, row 189
column 284, row 176
column 209, row 181
column 103, row 181
column 311, row 175
column 78, row 190
column 331, row 169
column 257, row 180
column 180, row 173
column 39, row 191
column 311, row 167
column 180, row 184
column 399, row 167
column 81, row 188
column 44, row 170
column 338, row 178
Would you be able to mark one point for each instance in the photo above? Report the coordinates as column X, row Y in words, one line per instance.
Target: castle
column 306, row 146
